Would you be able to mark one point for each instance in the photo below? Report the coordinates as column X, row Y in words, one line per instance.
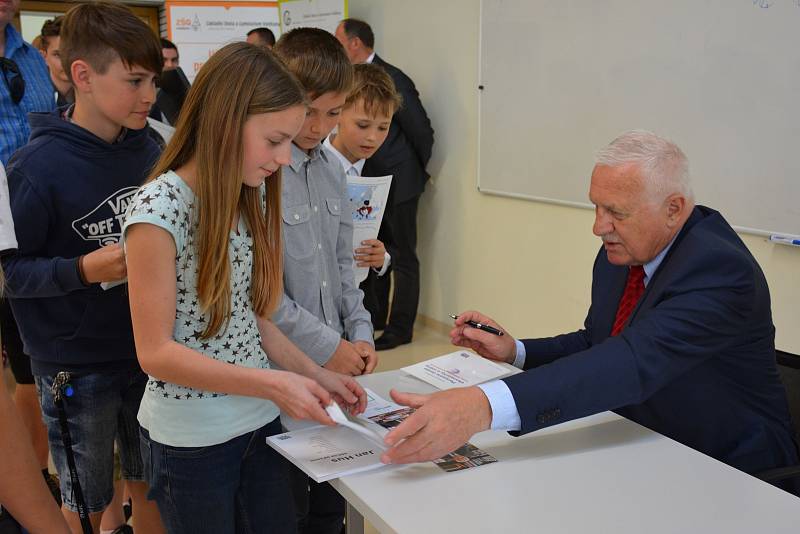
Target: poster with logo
column 199, row 29
column 324, row 14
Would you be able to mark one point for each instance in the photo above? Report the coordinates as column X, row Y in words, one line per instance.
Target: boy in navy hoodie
column 70, row 187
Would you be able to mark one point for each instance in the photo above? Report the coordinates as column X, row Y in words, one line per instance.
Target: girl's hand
column 344, row 390
column 299, row 397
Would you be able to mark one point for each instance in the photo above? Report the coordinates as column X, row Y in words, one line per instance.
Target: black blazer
column 696, row 361
column 407, row 148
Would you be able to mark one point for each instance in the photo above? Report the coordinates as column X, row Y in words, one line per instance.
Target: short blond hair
column 375, row 88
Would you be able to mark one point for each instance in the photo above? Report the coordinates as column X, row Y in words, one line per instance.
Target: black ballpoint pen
column 481, row 326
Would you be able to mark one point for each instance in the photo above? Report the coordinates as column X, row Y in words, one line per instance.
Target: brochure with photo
column 328, row 452
column 464, row 457
column 355, row 444
column 365, row 427
column 457, row 369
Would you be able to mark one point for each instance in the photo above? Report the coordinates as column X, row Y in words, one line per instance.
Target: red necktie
column 634, row 288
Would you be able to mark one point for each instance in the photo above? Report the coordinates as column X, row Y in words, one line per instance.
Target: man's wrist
column 484, row 410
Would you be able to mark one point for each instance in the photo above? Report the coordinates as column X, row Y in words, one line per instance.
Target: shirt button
column 315, row 208
column 324, row 283
column 319, row 246
column 296, row 217
column 329, row 321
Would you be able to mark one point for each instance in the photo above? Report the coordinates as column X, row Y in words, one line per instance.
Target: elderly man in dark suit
column 404, row 154
column 678, row 338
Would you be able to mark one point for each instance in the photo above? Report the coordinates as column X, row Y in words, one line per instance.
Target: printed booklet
column 355, row 444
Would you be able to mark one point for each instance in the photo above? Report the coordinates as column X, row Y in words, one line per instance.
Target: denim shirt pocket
column 334, row 206
column 298, row 237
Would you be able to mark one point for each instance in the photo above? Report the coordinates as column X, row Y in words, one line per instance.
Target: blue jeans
column 237, row 487
column 103, row 408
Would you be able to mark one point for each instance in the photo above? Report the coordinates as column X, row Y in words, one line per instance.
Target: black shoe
column 389, row 341
column 124, row 529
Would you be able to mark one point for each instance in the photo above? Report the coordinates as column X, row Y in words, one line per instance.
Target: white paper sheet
column 457, row 369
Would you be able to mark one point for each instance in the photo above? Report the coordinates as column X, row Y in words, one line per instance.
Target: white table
column 599, row 474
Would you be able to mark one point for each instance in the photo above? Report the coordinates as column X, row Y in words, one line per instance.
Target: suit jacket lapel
column 613, row 285
column 658, row 278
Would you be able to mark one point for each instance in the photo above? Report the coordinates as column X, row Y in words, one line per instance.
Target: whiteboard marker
column 784, row 240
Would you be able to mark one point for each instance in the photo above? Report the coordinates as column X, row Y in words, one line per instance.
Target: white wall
column 527, row 264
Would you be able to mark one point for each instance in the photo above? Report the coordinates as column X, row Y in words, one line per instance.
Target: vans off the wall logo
column 104, row 223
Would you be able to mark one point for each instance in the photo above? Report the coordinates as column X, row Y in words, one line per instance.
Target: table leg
column 354, row 521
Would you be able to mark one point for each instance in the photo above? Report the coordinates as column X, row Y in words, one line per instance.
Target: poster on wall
column 324, row 14
column 199, row 29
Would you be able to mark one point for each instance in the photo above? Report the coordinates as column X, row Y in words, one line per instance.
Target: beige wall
column 525, row 263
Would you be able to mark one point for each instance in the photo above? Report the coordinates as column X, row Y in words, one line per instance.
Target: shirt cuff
column 519, row 359
column 362, row 332
column 504, row 410
column 326, row 345
column 67, row 273
column 387, row 260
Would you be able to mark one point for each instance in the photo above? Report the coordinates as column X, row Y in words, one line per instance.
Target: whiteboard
column 721, row 78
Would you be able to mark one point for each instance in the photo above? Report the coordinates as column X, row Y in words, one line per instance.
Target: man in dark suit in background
column 404, row 154
column 679, row 336
column 172, row 60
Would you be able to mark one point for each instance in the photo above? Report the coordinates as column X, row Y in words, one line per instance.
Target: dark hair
column 50, row 28
column 265, row 34
column 359, row 28
column 99, row 32
column 317, row 59
column 375, row 88
column 166, row 43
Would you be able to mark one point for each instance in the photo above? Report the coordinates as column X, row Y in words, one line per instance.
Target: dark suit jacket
column 696, row 361
column 408, row 146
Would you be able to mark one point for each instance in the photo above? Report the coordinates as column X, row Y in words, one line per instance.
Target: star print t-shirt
column 177, row 415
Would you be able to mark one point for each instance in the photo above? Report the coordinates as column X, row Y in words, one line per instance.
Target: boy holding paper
column 363, row 127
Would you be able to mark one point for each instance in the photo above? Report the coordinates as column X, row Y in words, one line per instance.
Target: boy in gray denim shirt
column 322, row 310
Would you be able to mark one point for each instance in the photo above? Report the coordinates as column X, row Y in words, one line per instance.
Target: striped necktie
column 634, row 288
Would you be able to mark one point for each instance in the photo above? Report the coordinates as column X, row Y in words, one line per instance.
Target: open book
column 355, row 444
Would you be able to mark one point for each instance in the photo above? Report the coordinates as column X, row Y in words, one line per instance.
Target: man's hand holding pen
column 493, row 346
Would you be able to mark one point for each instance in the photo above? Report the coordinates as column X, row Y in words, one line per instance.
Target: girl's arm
column 151, row 254
column 283, row 352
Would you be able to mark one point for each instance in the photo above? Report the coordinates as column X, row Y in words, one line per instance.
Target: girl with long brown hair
column 203, row 249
